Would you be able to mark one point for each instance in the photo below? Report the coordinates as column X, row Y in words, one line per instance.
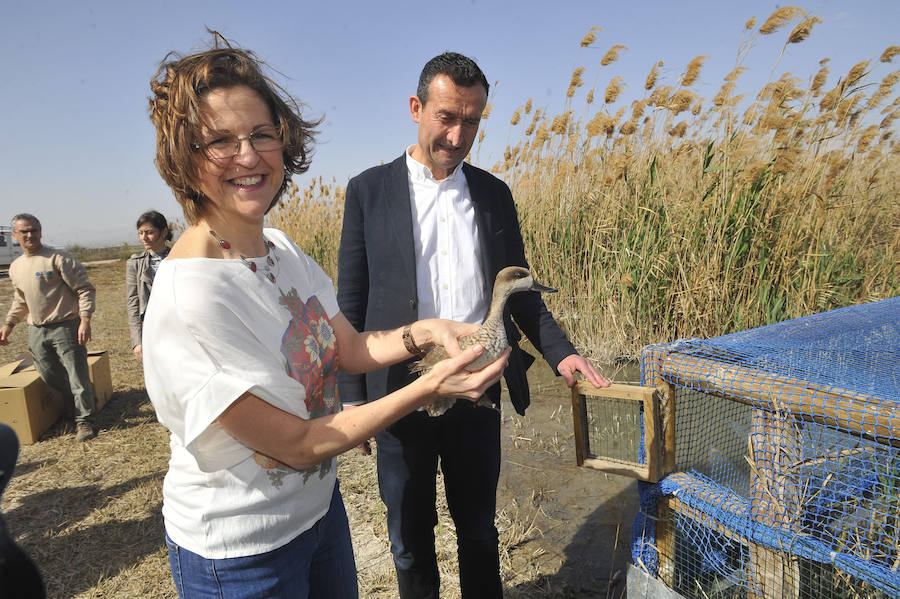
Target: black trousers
column 465, row 441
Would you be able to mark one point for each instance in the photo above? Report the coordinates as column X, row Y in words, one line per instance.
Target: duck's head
column 514, row 279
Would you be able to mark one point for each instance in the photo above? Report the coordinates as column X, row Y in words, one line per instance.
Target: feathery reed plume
column 857, row 72
column 754, row 172
column 601, row 123
column 528, row 106
column 660, row 96
column 818, row 81
column 884, row 89
column 783, row 90
column 681, row 101
column 517, row 115
column 786, row 161
column 615, row 169
column 537, row 116
column 590, row 37
column 781, row 17
column 750, row 24
column 628, row 127
column 487, row 111
column 891, row 106
column 721, row 98
column 573, row 140
column 735, row 73
column 575, row 82
column 890, row 53
column 832, row 97
column 802, row 30
column 637, row 109
column 481, row 136
column 613, row 90
column 561, row 123
column 612, row 55
column 589, row 99
column 541, row 135
column 845, row 108
column 693, row 70
column 652, row 75
column 866, row 137
column 679, row 129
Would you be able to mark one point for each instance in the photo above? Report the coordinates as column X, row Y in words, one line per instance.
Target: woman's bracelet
column 408, row 342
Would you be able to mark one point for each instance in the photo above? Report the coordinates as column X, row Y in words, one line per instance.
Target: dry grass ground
column 89, row 513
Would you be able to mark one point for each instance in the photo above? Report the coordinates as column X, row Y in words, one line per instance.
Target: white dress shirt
column 449, row 274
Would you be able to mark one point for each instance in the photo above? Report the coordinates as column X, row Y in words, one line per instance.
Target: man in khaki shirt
column 52, row 289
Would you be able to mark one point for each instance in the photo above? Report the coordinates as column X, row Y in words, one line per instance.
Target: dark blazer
column 138, row 282
column 377, row 275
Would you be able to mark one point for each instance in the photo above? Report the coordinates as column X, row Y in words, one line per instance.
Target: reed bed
column 674, row 215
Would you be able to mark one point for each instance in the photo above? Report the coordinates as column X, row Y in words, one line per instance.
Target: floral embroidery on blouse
column 310, row 350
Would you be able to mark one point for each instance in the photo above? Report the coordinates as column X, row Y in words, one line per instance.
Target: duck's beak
column 535, row 286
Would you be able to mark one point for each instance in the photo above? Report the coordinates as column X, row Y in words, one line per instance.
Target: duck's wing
column 431, row 357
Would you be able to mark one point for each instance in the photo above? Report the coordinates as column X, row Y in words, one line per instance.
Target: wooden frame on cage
column 658, row 425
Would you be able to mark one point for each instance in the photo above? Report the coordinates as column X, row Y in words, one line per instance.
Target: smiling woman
column 240, row 180
column 242, row 339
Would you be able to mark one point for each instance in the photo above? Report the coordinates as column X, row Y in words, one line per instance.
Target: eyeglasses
column 28, row 231
column 266, row 139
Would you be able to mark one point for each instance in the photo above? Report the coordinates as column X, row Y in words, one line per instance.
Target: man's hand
column 575, row 363
column 5, row 332
column 84, row 331
column 138, row 351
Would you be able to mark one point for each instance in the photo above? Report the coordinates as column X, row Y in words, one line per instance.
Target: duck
column 491, row 334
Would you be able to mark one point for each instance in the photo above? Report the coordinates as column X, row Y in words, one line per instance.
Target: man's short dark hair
column 462, row 70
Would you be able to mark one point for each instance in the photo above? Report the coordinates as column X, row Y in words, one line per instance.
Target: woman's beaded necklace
column 268, row 265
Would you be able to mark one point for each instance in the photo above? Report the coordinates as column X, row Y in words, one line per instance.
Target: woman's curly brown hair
column 178, row 88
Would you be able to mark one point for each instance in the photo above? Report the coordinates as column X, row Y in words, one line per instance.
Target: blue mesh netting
column 787, row 439
column 855, row 348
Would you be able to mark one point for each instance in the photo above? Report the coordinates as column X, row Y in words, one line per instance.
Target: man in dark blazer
column 388, row 276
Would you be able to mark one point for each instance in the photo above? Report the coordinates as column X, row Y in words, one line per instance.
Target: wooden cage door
column 625, row 429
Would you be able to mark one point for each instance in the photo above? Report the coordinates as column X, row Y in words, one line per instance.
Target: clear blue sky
column 78, row 146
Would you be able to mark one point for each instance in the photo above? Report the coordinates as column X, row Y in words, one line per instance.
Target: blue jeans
column 318, row 563
column 466, row 440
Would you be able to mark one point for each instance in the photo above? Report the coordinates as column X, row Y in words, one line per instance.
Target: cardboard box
column 98, row 364
column 30, row 407
column 26, row 404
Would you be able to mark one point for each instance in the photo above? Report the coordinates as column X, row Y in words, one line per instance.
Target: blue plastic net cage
column 786, row 479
